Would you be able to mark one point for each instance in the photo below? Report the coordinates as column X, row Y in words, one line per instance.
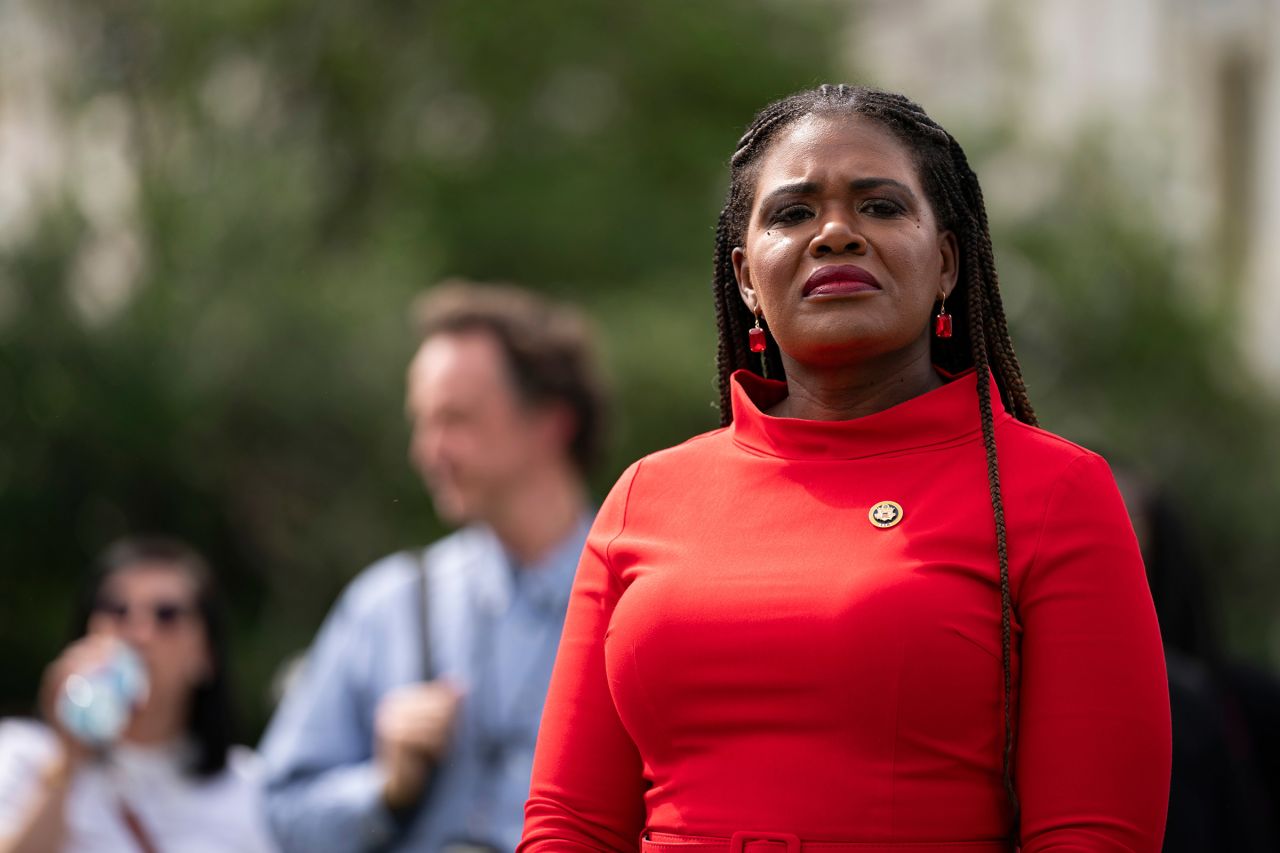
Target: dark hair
column 549, row 349
column 209, row 722
column 980, row 337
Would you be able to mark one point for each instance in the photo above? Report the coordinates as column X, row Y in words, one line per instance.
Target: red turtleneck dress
column 745, row 653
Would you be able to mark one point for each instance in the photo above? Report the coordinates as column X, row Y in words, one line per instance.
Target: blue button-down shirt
column 494, row 628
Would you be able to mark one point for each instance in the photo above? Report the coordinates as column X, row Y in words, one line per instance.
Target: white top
column 181, row 813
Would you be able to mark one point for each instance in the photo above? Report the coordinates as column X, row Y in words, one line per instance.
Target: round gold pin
column 885, row 514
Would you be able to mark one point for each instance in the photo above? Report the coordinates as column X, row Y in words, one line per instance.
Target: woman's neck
column 158, row 722
column 850, row 391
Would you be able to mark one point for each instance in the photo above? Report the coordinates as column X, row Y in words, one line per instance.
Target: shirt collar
column 940, row 416
column 545, row 582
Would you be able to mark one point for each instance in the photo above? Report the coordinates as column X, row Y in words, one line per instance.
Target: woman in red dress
column 879, row 610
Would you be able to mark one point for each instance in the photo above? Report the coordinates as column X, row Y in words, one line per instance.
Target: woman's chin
column 841, row 349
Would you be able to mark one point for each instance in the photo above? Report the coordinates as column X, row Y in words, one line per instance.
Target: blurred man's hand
column 412, row 728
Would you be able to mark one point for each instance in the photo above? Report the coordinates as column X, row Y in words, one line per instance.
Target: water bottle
column 95, row 705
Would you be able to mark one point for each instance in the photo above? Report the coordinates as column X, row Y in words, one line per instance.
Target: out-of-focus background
column 213, row 217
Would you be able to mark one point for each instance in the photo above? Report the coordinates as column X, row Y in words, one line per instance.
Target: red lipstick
column 839, row 279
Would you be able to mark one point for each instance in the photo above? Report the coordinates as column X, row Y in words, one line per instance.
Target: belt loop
column 739, row 840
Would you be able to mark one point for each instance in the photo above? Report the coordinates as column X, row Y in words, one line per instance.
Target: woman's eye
column 789, row 214
column 881, row 207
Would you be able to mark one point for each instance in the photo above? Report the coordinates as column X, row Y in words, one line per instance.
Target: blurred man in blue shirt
column 413, row 723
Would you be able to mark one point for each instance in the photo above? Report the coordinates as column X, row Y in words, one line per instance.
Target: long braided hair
column 980, row 335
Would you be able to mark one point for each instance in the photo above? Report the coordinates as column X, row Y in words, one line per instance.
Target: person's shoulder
column 26, row 741
column 243, row 768
column 460, row 544
column 383, row 579
column 392, row 577
column 244, row 763
column 1047, row 455
column 27, row 749
column 697, row 449
column 1040, row 470
column 671, row 466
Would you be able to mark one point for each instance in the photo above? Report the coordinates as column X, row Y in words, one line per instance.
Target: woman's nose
column 836, row 237
column 138, row 629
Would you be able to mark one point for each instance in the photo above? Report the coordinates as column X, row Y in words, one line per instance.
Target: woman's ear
column 949, row 250
column 742, row 272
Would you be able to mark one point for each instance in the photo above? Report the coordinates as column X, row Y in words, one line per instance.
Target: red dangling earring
column 942, row 323
column 755, row 337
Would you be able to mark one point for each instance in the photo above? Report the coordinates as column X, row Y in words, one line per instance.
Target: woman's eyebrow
column 798, row 188
column 876, row 183
column 859, row 185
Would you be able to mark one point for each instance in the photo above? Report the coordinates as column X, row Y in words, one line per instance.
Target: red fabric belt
column 780, row 842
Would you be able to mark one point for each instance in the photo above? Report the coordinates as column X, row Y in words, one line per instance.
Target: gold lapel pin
column 885, row 514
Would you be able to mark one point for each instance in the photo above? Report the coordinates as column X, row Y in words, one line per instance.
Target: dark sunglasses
column 167, row 614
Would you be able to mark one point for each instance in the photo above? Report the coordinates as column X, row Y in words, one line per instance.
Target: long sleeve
column 27, row 749
column 1093, row 733
column 587, row 790
column 323, row 792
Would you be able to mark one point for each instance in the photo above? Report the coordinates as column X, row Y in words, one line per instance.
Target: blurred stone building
column 1183, row 95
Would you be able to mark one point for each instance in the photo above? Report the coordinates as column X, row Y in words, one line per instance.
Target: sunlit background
column 213, row 217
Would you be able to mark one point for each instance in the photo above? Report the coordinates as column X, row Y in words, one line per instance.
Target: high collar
column 940, row 416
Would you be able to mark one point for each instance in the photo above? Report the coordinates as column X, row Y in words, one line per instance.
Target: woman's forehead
column 150, row 579
column 836, row 146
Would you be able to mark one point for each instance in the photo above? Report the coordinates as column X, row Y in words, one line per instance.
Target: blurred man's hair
column 549, row 347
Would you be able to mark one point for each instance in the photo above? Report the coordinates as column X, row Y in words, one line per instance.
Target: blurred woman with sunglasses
column 170, row 779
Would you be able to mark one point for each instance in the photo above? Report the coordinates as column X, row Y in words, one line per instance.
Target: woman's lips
column 839, row 279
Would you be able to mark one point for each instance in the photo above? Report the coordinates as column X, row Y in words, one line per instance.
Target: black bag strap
column 404, row 818
column 424, row 615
